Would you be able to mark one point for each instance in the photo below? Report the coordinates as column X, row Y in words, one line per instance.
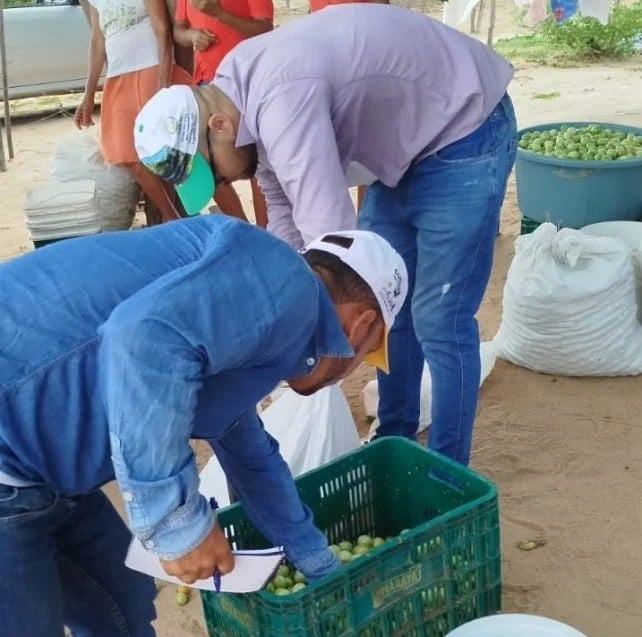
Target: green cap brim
column 198, row 189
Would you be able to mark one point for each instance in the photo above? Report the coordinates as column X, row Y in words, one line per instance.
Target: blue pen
column 217, row 575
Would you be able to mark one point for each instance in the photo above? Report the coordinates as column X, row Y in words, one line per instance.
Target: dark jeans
column 442, row 218
column 62, row 563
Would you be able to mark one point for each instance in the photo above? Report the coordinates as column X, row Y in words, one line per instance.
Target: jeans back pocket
column 484, row 141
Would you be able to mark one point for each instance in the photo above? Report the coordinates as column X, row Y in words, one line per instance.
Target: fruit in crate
column 287, row 581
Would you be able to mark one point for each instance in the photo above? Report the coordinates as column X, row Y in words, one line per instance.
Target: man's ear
column 360, row 324
column 222, row 126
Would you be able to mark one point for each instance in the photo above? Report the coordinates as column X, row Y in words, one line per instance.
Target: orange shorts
column 123, row 97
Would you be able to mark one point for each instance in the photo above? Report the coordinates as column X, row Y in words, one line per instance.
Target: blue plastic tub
column 574, row 193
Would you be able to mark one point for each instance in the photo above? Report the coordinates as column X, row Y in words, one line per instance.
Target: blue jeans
column 62, row 563
column 443, row 218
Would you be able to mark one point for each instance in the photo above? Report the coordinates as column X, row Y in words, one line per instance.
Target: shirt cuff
column 318, row 564
column 182, row 530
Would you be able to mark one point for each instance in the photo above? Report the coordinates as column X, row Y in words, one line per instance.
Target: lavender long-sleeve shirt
column 349, row 95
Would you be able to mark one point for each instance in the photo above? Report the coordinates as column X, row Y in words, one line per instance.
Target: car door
column 46, row 47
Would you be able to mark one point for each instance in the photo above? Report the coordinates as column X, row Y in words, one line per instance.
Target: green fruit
column 182, row 599
column 588, row 143
column 378, row 541
column 365, row 540
column 345, row 546
column 280, row 581
column 281, row 591
column 345, row 556
column 270, row 587
column 299, row 586
column 283, row 570
column 335, row 549
column 289, row 582
column 360, row 550
column 299, row 578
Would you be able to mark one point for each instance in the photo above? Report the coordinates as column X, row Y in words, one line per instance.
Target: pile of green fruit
column 347, row 551
column 287, row 580
column 592, row 143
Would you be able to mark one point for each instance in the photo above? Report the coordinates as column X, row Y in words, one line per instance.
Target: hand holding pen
column 211, row 558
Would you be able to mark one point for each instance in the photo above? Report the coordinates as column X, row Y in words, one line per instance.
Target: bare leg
column 361, row 193
column 154, row 187
column 260, row 207
column 228, row 201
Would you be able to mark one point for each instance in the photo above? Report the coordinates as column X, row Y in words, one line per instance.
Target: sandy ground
column 566, row 454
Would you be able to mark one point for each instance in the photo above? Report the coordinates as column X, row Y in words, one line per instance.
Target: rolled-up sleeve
column 296, row 130
column 151, row 384
column 263, row 483
column 280, row 220
column 156, row 349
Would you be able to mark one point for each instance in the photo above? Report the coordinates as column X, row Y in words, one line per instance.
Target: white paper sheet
column 252, row 569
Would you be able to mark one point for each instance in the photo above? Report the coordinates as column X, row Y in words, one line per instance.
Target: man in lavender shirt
column 366, row 94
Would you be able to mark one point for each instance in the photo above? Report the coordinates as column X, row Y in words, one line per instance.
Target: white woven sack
column 78, row 157
column 569, row 306
column 310, row 430
column 487, row 357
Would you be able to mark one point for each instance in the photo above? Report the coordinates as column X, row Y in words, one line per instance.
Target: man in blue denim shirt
column 116, row 350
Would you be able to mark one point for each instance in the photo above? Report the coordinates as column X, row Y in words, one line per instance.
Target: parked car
column 46, row 45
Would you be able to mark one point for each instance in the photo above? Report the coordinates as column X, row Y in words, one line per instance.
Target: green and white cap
column 166, row 136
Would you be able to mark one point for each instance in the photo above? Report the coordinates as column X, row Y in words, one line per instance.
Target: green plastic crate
column 440, row 574
column 528, row 225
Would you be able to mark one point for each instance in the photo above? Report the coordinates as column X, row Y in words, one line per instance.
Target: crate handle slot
column 447, row 479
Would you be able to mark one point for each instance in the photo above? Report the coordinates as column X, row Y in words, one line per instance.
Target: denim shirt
column 117, row 349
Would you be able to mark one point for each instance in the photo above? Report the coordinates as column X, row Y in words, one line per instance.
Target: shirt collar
column 328, row 339
column 244, row 137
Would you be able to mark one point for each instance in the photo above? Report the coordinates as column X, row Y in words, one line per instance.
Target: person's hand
column 202, row 39
column 211, row 7
column 83, row 117
column 212, row 554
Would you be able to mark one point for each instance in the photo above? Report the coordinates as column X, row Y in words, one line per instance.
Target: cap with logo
column 380, row 266
column 166, row 136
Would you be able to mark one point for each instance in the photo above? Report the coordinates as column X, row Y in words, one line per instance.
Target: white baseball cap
column 166, row 136
column 380, row 266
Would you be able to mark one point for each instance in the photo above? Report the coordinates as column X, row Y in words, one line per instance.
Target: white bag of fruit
column 371, row 391
column 78, row 156
column 570, row 307
column 311, row 431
